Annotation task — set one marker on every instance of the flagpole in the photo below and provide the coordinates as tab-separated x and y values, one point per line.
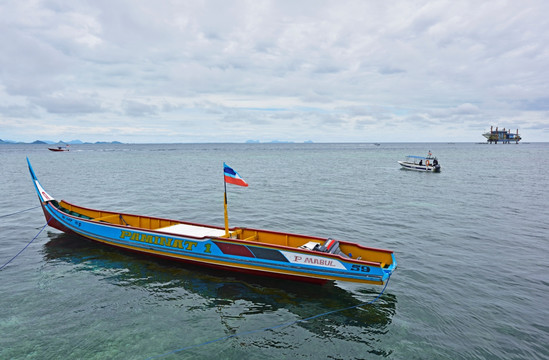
225	208
233	178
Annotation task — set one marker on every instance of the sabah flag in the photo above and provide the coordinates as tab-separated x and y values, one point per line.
232	177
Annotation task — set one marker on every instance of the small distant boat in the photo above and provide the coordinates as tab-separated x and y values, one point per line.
60	148
421	163
260	252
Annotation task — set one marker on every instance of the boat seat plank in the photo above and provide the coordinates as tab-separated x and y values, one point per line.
193	230
107	217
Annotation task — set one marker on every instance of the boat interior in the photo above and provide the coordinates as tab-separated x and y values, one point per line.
378	257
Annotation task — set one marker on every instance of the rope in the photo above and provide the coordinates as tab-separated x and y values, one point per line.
271	327
26	246
18	212
121	218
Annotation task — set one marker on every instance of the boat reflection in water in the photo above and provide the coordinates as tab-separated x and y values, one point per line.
241	302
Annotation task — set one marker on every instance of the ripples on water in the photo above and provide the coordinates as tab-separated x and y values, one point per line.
471	243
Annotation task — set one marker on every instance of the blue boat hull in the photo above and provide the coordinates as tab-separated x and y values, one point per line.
204	245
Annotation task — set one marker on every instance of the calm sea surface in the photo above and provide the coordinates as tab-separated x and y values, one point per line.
472	244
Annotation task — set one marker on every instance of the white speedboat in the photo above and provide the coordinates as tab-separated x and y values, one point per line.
421	163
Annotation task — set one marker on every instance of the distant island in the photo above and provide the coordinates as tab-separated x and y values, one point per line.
276	142
79	142
49	142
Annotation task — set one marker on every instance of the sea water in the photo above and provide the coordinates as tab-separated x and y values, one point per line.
471	244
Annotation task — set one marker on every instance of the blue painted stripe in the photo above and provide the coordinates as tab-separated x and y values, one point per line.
267	265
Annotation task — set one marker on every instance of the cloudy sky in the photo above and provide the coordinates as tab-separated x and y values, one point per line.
230	71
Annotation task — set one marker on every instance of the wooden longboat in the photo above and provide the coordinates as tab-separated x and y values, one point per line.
260	252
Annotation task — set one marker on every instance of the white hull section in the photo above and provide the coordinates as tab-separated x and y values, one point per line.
411	166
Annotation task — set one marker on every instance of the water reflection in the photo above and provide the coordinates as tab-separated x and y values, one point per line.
232	296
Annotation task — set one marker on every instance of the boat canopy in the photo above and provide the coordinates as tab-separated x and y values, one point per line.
419	157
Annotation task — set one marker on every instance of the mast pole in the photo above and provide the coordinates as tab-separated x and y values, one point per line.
225	209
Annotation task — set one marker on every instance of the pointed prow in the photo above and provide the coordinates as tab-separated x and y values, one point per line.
42	194
33	175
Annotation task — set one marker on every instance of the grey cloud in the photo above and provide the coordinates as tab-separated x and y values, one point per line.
387	70
70	104
537	104
19	111
137	108
329	66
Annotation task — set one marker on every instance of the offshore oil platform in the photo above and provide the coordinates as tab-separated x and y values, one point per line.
504	136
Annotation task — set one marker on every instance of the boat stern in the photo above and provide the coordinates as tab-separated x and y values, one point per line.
392	267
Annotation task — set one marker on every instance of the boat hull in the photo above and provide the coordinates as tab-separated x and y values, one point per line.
416	167
279	255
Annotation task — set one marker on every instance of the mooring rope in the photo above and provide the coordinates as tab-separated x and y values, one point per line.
271	327
26	246
18	212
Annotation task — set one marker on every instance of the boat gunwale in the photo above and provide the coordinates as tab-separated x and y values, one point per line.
230	262
232	240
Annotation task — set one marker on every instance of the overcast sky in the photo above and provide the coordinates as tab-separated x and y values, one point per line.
230	71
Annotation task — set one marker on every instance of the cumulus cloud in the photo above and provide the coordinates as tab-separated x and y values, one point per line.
74	103
138	109
319	70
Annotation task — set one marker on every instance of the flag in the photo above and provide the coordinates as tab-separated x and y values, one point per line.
232	177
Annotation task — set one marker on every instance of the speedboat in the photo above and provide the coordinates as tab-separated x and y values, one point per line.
60	148
421	163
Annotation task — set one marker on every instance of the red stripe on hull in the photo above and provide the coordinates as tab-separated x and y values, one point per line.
234	249
54	223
